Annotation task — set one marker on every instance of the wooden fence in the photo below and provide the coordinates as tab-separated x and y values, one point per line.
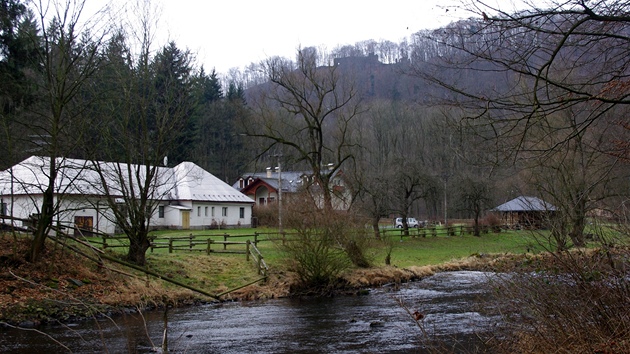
458	230
209	244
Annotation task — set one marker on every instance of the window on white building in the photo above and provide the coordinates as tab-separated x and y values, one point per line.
224	211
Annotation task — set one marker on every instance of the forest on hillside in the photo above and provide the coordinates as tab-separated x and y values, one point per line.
447	124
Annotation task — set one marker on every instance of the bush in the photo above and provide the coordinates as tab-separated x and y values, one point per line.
267	215
324	244
491	221
568	302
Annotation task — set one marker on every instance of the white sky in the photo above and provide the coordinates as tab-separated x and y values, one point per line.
230	33
227	34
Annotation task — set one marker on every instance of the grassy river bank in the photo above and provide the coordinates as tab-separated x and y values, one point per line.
66	286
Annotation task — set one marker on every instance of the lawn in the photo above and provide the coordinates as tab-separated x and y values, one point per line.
429	250
406	251
220	271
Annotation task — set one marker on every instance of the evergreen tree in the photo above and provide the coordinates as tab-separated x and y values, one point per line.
174	83
18	49
220	147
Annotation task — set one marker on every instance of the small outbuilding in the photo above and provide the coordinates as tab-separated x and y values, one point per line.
525	212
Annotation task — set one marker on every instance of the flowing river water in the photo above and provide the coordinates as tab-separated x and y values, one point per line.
374	323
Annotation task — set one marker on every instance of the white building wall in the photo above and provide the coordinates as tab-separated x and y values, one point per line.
225	214
201	213
24	207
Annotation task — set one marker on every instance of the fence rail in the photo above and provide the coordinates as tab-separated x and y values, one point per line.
257	258
458	230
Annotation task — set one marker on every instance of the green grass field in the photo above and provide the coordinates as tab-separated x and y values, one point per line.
406	251
218	271
435	250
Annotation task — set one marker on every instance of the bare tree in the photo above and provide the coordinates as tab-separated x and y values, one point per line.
579	178
67	55
371	177
473	196
139	127
310	113
514	68
540	84
388	52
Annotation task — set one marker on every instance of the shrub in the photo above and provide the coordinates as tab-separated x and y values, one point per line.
491	221
267	215
571	302
324	244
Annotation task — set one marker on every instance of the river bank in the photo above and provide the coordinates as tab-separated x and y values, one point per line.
64	286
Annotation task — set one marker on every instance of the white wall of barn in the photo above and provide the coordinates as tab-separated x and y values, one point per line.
201	214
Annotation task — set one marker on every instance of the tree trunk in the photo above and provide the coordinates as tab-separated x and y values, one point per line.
476	230
44	220
578	215
377	231
577	232
138	247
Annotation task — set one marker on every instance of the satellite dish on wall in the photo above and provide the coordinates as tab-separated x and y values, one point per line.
165	161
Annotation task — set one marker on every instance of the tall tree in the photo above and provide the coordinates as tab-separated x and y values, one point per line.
219	146
473	197
535	62
309	112
578	178
141	125
18	65
519	73
173	85
67	55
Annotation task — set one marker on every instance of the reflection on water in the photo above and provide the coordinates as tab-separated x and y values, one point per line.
376	323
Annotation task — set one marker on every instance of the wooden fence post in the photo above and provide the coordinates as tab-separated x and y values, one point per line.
104	242
208	250
256	238
170	245
225	237
190	242
247	250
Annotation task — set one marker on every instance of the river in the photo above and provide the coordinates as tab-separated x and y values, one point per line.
374	323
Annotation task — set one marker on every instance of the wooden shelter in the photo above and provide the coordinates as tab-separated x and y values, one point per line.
525	212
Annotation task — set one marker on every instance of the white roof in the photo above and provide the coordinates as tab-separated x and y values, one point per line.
525	204
185	181
195	183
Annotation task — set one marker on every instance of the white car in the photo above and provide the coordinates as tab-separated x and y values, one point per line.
411	222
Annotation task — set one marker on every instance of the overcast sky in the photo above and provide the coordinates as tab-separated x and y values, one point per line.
236	33
226	34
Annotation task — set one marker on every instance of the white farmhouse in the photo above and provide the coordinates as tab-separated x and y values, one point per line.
186	196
